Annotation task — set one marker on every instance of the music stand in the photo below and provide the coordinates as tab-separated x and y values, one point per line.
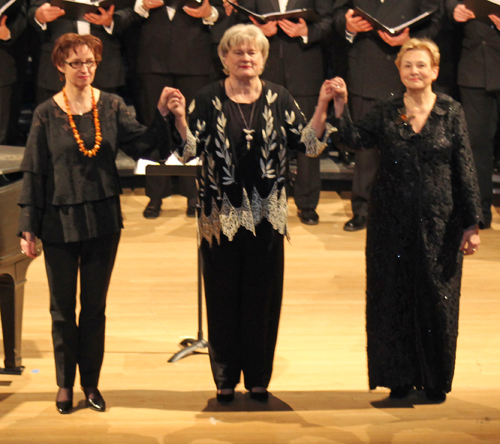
189	345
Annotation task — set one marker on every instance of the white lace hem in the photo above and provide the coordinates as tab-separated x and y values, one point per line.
229	219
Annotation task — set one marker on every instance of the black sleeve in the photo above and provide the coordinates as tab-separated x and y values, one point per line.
138	141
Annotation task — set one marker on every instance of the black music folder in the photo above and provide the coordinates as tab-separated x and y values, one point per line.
6	6
75	10
377	25
309	15
483	8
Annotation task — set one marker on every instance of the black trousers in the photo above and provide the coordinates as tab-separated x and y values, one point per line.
243	288
79	344
158	187
481	110
366	162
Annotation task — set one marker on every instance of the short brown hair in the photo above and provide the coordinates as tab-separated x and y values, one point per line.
67	42
422	45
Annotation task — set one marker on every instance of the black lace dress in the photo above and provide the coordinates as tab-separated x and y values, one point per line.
425	195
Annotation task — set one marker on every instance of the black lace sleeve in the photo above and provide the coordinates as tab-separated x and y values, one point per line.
464	172
366	135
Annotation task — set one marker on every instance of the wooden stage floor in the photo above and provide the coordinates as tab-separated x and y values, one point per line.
319	387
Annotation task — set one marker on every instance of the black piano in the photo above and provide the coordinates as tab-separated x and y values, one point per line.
13	264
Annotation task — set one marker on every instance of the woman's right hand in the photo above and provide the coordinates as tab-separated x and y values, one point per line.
339	94
151	4
28	244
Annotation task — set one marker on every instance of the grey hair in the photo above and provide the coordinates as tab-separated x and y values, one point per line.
238	35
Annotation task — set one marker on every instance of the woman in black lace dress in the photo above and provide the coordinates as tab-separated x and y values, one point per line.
70	200
423	218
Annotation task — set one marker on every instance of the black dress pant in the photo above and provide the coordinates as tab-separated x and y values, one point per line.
481	110
79	344
158	187
366	161
243	287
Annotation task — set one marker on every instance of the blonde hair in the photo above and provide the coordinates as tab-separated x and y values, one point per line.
238	35
422	45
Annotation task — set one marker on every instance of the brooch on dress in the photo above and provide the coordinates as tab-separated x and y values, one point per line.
404	118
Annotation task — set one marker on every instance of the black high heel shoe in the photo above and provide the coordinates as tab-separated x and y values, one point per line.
400	392
435	395
94	399
259	396
225	398
64	407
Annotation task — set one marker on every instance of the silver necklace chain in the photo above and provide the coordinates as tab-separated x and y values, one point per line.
248	132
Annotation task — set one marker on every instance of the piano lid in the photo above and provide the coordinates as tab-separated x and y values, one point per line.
10	158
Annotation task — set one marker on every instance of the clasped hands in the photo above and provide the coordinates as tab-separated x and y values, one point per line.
172	100
203	11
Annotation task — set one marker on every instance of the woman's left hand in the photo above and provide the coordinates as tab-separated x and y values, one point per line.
105	18
396	40
470	241
203	11
172	100
294	29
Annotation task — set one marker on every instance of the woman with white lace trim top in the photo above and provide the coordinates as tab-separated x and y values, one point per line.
241	128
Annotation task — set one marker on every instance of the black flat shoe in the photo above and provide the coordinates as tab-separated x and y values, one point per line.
260	396
434	395
64	407
94	400
225	398
355	224
400	392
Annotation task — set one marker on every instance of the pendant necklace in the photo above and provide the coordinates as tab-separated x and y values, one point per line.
247	129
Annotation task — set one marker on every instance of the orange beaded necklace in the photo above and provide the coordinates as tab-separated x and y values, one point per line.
79	141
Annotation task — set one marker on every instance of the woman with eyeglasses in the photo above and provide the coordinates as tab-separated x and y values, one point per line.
70	200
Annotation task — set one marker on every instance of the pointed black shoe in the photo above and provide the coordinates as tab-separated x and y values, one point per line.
64	407
400	392
225	398
435	395
260	396
94	400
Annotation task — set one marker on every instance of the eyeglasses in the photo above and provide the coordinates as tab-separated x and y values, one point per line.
78	64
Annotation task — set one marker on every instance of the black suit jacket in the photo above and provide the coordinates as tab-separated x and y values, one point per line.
180	46
372	72
109	74
479	65
16	22
303	62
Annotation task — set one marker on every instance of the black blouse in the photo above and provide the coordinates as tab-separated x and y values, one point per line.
68	197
